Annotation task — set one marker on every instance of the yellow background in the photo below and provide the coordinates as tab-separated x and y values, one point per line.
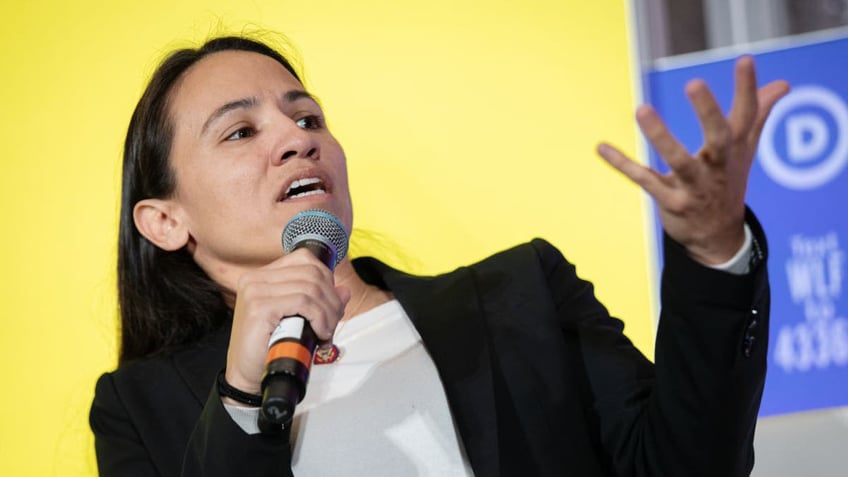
469	127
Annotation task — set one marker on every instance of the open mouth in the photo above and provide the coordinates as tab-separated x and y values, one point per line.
304	188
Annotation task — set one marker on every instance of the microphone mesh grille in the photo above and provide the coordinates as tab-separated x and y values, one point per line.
316	224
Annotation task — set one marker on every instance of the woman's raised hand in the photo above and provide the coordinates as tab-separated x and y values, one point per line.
701	200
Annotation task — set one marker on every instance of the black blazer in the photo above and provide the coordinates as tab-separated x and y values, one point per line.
539	378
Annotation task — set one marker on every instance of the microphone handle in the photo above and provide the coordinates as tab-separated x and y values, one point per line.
290	351
287	368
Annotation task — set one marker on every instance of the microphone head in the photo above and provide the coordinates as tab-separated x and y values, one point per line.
320	225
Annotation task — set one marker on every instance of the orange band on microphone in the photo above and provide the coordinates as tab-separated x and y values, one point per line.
290	349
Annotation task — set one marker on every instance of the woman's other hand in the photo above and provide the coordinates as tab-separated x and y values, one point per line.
701	200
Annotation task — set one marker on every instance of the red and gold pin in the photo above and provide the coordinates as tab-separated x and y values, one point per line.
327	355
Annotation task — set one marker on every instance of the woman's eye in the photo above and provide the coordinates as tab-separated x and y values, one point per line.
309	122
242	133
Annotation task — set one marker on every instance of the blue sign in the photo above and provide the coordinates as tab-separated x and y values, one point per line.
799	191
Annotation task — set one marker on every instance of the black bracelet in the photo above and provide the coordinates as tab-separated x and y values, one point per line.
224	389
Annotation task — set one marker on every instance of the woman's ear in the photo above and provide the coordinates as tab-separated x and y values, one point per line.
159	221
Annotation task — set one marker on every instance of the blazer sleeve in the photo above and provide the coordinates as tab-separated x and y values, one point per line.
143	433
218	446
693	411
119	449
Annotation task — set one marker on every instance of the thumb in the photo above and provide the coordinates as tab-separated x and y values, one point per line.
344	294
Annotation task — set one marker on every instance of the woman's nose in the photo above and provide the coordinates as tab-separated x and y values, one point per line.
295	142
311	153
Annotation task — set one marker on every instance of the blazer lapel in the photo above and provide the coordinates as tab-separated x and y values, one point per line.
446	312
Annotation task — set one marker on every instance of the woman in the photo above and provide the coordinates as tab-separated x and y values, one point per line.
507	367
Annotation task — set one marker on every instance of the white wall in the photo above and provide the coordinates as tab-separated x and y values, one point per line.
810	444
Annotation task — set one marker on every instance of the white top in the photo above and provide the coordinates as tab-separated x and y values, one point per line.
379	410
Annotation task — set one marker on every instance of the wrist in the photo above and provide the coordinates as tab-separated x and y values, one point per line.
232	402
238	381
743	261
235	396
718	250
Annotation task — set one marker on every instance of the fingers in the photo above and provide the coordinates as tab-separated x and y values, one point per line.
767	96
714	125
751	107
296	284
743	112
647	178
667	146
269	302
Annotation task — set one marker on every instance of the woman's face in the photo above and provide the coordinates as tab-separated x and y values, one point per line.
251	149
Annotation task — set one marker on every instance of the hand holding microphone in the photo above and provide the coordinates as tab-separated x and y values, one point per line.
293	342
292	287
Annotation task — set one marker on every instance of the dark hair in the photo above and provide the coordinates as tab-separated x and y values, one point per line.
165	298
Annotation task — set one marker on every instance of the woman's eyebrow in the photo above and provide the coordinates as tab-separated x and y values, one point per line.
297	94
244	103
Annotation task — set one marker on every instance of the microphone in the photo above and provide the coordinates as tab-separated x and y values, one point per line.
292	344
